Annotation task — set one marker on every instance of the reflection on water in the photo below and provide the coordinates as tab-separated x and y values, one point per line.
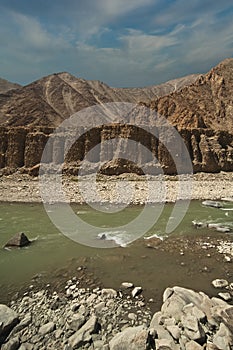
51	250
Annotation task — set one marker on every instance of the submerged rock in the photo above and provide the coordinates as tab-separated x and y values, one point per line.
19	240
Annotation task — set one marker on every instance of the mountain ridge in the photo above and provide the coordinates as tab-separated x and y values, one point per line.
201	111
53	98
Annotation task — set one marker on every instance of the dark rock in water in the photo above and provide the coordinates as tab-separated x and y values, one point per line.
19	240
102	236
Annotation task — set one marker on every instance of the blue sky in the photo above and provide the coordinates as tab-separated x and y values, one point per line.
121	42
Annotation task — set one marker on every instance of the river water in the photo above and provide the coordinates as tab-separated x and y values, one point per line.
154	269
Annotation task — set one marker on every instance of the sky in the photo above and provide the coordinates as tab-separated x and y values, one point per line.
123	43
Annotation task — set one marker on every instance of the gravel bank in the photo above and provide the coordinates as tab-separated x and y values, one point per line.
23	188
106	319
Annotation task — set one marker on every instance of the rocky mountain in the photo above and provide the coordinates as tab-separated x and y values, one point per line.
199	107
205	111
50	100
6	85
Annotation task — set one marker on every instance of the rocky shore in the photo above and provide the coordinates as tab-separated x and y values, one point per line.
106	319
24	188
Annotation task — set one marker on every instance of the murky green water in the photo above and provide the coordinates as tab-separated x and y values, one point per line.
51	250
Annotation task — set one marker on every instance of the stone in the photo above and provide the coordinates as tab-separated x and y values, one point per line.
67	347
76	321
227	317
136	291
211	346
163	333
47	328
109	292
58	333
127	285
19	240
8	320
220	283
83	335
155	320
167	293
91	298
12	344
22	324
174	331
223	339
165	344
26	346
99	307
193	329
131	338
173	306
192	345
132	316
225	296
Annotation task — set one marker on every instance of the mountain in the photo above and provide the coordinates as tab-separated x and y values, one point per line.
50	100
207	103
199	107
6	85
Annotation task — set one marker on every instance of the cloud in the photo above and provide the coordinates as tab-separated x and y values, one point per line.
111	40
183	11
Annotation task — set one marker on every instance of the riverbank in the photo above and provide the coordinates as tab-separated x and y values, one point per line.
24	188
108	319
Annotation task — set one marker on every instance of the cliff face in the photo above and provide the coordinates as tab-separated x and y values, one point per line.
202	113
22	148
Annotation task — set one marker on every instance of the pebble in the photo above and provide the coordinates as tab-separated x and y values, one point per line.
225	296
136	291
127	285
220	283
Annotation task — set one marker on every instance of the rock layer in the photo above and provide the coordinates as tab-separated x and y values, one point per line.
22	148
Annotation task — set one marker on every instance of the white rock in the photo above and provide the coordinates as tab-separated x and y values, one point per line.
127	285
225	296
136	291
219	283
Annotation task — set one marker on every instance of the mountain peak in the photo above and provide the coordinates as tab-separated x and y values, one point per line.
6	85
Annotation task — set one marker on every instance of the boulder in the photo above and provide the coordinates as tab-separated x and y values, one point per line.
192	345
132	338
193	329
19	240
165	344
12	344
8	320
83	335
223	339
